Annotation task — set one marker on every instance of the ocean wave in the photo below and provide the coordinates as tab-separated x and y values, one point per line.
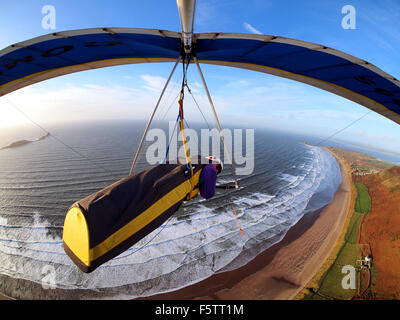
202	239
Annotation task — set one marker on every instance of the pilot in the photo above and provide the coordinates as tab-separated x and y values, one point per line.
208	177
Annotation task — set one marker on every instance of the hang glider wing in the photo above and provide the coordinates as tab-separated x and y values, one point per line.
97	228
61	53
310	63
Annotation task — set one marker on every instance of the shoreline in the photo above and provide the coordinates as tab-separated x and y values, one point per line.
284	269
281	271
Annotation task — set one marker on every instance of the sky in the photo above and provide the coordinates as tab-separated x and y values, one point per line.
242	97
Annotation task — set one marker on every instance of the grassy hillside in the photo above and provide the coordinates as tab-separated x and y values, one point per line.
373	229
381	230
361	163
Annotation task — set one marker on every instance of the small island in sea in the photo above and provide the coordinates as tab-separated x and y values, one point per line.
20	143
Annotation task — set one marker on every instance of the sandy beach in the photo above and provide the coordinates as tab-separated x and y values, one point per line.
3	297
284	269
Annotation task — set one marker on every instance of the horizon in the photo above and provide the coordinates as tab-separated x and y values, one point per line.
21	133
275	103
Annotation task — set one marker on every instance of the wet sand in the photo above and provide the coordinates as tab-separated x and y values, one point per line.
284	269
3	297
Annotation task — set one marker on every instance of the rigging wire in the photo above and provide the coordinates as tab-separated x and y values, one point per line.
198	107
55	137
170	140
144	245
195	101
344	128
159	121
151	118
181	94
180	117
218	123
333	134
170	104
227	187
169	108
234	211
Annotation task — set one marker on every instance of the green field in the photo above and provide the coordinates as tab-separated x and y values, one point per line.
331	283
363	201
381	163
354	225
330	286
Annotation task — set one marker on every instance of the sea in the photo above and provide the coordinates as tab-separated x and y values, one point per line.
39	181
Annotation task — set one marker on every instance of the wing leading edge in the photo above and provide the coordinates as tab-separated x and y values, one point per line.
62	53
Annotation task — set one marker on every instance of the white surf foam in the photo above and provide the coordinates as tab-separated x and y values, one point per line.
189	248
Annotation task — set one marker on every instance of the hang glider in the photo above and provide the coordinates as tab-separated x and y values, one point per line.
108	222
61	53
103	225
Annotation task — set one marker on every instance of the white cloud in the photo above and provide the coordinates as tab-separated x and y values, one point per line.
81	103
153	83
205	12
250	28
97	102
238	83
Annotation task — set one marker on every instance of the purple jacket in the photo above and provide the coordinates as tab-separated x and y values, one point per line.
208	180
